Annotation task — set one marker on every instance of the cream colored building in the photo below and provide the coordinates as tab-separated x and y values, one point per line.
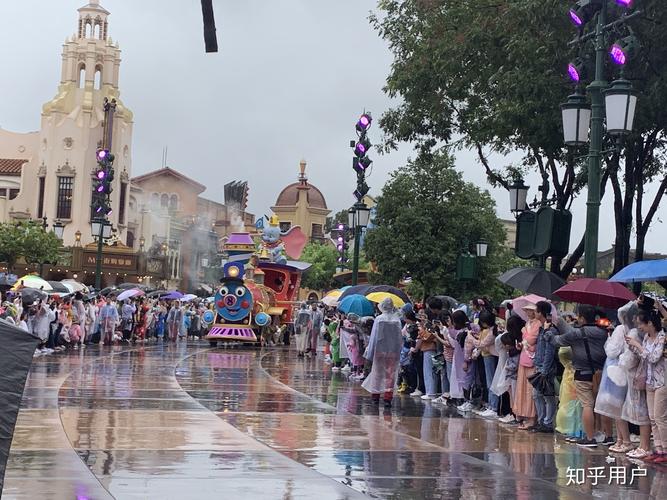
58	161
302	204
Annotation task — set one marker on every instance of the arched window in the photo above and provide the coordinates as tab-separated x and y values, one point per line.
97	32
173	202
82	76
130	239
89	28
155	200
98	77
164	200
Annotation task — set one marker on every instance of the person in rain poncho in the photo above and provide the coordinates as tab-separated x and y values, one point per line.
384	350
302	327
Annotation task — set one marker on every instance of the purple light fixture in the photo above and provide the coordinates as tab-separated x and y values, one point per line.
624	3
100	188
574	17
341	227
101	174
617	55
360	149
364	122
573	72
102	154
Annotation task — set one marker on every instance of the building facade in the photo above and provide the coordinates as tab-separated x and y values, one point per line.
302	204
57	162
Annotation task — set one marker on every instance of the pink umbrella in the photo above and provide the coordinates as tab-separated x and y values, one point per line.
134	292
520	302
596	292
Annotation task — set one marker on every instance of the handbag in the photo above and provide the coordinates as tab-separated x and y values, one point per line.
544	385
438	362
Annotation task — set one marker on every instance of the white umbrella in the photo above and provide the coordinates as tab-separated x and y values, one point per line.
75	286
188	297
132	292
330	301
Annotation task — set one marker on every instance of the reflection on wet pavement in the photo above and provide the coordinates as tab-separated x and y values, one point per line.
188	421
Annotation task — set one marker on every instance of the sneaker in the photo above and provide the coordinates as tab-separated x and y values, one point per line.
546	429
489	413
402	387
571	439
637	453
467	406
607	441
346	369
427	397
37	353
335	369
439	400
445	395
49	350
417	392
587	443
479	411
507	419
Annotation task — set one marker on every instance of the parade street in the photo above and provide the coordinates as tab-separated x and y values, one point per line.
187	421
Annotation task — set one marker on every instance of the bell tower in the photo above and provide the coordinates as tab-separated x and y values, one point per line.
73	127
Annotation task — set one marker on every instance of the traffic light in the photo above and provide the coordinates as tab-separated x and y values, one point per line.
342	246
103	183
361	162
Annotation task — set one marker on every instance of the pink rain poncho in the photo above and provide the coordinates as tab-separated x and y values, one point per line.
384	350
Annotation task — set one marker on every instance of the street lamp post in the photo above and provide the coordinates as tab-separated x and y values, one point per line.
576	111
362	216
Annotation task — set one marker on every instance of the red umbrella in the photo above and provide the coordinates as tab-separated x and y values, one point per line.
596	292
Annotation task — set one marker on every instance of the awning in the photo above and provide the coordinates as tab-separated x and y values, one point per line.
206	288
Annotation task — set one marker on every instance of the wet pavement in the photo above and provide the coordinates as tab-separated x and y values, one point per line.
189	421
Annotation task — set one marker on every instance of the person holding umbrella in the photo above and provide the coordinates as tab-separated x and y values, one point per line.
108	317
384	350
302	327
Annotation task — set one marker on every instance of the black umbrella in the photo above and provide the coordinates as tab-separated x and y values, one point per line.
32	295
390	289
58	287
157	293
447	301
355	290
532	280
106	291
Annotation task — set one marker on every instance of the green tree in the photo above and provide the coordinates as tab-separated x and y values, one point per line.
29	241
323	258
491	75
426	216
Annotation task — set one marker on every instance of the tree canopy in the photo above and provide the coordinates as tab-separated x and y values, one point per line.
323	258
27	240
490	76
427	215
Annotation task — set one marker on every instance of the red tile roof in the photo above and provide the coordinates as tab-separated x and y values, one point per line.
9	166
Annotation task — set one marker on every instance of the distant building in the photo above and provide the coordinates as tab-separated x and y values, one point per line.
606	262
510	232
170	217
302	204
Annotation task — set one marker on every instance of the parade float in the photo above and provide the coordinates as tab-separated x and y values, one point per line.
260	285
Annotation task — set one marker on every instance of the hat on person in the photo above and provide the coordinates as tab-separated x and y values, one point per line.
531	307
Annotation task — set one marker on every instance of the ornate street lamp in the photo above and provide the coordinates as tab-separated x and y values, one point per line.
482	248
620	105
59	229
142	243
351	219
518	193
363	216
576	114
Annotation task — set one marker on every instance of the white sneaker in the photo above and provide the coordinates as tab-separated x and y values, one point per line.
49	350
44	350
445	395
416	393
467	406
479	411
599	436
346	369
426	397
507	419
439	400
37	353
489	413
335	369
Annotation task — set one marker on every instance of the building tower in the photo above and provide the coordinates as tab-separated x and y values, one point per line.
72	130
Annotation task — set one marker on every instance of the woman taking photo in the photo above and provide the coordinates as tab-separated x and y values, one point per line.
524	406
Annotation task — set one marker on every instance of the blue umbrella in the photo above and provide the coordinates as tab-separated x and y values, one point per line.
357	304
175	295
646	270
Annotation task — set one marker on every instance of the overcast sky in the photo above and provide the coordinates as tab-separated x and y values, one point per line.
289	82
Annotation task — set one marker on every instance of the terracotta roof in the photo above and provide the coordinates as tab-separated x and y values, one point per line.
9	166
169	171
289	196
